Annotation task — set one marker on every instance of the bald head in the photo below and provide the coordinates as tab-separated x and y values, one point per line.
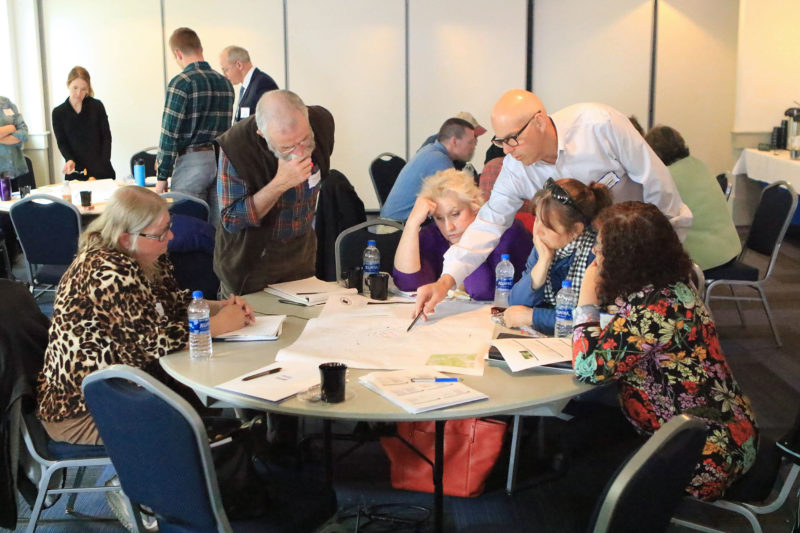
282	119
520	118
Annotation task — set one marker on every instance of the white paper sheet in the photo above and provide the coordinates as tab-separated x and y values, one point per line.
455	338
525	353
308	291
265	328
398	388
294	377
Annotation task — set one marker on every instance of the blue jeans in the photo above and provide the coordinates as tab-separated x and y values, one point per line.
195	174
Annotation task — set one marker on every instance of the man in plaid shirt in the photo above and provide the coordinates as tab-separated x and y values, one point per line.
198	108
270	168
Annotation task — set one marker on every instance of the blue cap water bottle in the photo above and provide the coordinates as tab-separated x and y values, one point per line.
138	172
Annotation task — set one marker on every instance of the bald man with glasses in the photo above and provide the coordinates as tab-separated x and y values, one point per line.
588	142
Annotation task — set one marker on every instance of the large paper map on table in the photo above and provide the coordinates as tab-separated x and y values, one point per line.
361	335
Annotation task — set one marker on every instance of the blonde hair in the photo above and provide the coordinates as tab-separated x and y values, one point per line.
79	72
457	182
129	210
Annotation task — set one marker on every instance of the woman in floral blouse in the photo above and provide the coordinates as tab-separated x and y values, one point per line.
662	344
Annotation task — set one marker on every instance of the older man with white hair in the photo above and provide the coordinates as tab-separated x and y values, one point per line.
270	166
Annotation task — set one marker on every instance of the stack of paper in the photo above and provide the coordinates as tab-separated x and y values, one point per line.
309	291
416	397
521	353
265	328
288	380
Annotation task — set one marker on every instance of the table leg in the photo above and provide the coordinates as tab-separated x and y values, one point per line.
438	474
513	457
327	450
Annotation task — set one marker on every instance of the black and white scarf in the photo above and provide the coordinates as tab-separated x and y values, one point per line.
580	247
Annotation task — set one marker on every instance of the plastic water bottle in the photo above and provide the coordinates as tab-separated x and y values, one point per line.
372	262
504	280
138	172
566	301
66	191
199	327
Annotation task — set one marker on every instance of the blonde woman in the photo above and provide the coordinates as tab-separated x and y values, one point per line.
118	302
82	132
453	200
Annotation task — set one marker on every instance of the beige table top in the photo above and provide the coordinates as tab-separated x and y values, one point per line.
536	391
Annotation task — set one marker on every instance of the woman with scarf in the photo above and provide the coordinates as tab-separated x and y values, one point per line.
562	249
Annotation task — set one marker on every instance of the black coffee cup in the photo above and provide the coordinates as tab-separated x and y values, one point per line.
354	278
378	285
86	198
333	377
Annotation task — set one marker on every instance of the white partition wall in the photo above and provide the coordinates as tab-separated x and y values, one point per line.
119	43
462	57
696	75
348	56
593	52
256	25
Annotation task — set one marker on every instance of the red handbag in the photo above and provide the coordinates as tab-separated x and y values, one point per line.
471	447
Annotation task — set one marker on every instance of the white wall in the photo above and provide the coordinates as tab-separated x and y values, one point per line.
119	43
593	52
256	25
462	59
349	57
696	73
768	73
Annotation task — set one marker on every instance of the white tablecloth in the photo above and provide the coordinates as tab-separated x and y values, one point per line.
769	166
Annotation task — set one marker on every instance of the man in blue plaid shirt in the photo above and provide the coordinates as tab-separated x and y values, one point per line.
198	108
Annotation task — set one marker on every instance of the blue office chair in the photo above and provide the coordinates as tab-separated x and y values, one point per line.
160	450
760	491
383	171
191	252
350	244
770	222
646	490
48	229
185	204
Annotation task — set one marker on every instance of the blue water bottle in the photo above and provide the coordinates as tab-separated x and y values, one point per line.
138	172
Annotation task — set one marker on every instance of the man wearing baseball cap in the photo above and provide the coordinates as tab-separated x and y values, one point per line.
456	141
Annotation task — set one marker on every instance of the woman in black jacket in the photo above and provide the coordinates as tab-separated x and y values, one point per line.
82	132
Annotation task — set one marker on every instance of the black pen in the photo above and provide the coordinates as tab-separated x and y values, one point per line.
264	373
414	321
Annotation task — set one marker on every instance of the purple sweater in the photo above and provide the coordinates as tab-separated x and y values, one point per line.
516	242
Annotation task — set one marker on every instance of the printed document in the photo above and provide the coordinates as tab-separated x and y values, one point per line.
416	397
521	353
264	328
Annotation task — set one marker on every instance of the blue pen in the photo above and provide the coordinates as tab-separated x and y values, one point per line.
435	380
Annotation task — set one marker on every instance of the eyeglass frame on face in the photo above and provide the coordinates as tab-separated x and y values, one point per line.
160	238
512	140
306	140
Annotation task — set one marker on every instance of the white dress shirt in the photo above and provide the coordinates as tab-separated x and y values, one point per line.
595	143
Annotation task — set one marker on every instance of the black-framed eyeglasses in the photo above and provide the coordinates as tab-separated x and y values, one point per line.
511	140
561	195
162	236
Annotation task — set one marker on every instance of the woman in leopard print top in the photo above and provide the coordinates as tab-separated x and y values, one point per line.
118	302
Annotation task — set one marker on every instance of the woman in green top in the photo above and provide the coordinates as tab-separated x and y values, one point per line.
712	240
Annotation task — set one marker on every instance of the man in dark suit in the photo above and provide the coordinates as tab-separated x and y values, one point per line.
236	66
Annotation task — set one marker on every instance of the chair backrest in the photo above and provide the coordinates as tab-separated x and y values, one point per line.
773	215
648	487
25	179
350	243
725	184
384	170
48	229
185	204
149	159
159	448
